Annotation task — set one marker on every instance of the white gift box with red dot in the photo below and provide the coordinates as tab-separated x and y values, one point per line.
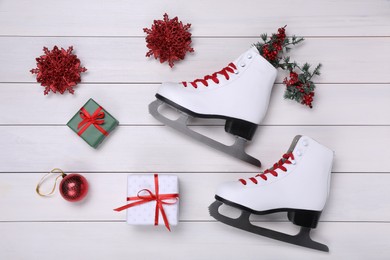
144	214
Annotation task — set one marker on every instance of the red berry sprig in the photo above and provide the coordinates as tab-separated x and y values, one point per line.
273	49
299	86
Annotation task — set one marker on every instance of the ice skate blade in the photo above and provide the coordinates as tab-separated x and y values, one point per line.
236	150
242	222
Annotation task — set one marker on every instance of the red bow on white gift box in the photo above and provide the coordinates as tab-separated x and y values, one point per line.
159	198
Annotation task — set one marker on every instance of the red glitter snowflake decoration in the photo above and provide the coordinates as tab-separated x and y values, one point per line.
58	70
168	40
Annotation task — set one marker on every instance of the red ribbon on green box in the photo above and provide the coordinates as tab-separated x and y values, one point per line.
92	123
95	119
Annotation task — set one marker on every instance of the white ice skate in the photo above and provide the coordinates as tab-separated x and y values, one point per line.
239	93
298	184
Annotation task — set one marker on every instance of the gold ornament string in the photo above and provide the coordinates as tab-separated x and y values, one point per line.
55	170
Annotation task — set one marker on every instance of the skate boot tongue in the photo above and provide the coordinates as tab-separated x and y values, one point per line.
294	143
254	48
290	149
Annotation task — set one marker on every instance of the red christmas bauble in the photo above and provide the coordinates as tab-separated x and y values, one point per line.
74	187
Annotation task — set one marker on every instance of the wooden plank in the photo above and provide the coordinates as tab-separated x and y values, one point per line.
216	18
186	241
122	60
197	190
25	104
162	149
351	39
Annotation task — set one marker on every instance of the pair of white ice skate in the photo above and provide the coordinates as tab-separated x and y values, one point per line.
298	184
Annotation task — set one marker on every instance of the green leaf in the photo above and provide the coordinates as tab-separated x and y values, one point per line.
306	67
302	77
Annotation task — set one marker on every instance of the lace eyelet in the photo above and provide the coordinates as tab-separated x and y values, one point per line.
249	56
243	65
236	72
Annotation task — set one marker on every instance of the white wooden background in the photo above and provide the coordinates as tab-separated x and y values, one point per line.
351	115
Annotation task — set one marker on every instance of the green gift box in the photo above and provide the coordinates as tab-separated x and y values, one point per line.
92	123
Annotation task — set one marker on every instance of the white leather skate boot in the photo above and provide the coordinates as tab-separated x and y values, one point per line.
239	93
298	184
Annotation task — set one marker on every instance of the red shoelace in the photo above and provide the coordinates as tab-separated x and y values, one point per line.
225	72
279	165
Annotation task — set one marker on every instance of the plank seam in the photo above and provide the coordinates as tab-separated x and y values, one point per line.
187	221
203	125
159	83
193	36
163	172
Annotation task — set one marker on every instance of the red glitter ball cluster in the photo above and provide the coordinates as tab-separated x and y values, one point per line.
308	99
58	70
303	91
270	51
168	40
